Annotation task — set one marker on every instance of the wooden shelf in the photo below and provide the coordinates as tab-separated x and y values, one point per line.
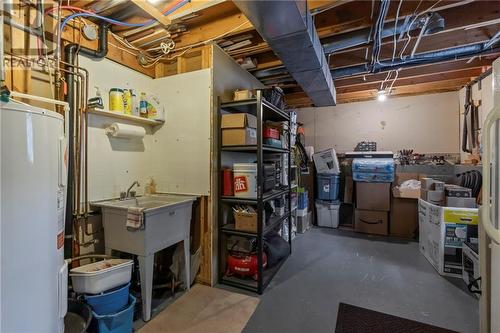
122	116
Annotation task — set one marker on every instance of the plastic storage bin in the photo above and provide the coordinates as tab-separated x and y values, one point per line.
328	186
120	322
101	276
109	302
327	214
373	177
379	165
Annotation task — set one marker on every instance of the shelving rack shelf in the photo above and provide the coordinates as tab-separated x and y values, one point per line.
264	111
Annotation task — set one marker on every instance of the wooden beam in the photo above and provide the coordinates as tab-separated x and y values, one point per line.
153	12
300	99
413	80
414	72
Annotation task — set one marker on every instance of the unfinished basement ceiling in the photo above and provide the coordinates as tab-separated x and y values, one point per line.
470	24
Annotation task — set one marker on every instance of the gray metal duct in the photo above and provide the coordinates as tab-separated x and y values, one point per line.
456	53
288	28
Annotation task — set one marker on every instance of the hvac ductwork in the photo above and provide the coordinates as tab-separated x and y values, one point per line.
288	28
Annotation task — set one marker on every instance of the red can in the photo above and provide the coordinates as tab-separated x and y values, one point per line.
227	182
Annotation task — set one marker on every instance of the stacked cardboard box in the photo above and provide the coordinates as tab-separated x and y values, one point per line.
404	207
373	203
239	129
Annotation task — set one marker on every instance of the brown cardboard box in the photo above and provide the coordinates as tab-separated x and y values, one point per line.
401	192
404	217
373	196
245	221
238	120
239	137
239	129
401	177
371	222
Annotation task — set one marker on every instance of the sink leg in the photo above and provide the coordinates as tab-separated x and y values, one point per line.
187	264
108	251
146	274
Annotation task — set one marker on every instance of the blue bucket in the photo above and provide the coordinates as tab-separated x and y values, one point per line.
109	302
120	322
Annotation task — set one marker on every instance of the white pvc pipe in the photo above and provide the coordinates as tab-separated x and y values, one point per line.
40	99
2	65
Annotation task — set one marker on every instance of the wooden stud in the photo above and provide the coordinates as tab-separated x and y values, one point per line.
153	12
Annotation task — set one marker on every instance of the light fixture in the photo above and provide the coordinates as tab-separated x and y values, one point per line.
153	2
381	96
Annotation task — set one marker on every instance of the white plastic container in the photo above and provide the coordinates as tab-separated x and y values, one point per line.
327	214
245	180
100	276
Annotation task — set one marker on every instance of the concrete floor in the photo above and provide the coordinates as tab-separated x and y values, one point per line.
331	266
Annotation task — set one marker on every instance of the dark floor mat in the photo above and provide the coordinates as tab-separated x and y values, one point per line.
353	319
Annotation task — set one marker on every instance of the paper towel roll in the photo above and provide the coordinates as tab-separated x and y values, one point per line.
119	130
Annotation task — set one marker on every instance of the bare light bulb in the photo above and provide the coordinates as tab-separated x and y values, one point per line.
381	96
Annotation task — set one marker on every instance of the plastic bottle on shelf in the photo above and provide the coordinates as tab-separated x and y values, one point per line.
143	106
127	101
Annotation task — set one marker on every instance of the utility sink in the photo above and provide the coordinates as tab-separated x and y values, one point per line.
167	221
148	202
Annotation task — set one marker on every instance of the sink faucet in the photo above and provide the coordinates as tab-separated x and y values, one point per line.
127	194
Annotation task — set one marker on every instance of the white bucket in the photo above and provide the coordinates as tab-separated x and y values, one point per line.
245	180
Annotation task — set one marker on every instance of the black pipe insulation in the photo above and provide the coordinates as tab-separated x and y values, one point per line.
70	53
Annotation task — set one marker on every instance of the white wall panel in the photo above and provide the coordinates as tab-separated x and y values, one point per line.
425	123
114	163
181	154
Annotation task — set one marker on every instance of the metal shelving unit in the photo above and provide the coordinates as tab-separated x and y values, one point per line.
264	111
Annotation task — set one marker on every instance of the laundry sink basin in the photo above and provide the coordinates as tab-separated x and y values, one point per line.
148	202
166	221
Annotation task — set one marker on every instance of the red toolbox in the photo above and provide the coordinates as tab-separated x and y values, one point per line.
271	133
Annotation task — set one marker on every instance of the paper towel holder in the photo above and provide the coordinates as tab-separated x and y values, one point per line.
124	131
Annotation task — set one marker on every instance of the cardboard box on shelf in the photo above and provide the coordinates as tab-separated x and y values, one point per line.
371	222
245	221
373	196
239	129
326	161
461	202
457	191
238	120
404	217
442	231
427	183
438	185
434	197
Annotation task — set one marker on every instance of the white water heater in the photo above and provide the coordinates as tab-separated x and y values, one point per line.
33	190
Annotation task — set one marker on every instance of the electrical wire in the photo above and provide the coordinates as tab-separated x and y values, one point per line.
412	23
394	44
393	81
